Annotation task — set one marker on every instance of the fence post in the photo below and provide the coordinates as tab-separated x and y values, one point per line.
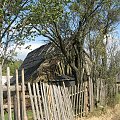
85	99
17	96
23	97
91	97
9	94
32	102
1	96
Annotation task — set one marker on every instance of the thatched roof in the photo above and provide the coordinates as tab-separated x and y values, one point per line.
33	60
39	62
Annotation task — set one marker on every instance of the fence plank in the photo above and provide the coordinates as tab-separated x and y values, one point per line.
82	93
1	96
36	102
91	94
74	97
43	100
79	99
68	103
23	97
15	107
62	104
76	112
85	99
57	103
17	97
49	101
32	103
39	100
53	103
9	94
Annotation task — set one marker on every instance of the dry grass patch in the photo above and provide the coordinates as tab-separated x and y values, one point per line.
108	114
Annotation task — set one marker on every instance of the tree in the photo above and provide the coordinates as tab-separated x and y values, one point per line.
13	65
12	33
72	25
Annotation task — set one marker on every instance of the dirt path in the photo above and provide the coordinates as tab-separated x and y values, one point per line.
111	114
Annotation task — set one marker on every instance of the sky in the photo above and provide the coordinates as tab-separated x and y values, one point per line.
39	41
22	53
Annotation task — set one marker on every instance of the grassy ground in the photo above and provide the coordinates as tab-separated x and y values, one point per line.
111	114
29	115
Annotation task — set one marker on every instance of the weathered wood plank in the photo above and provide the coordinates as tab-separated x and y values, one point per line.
91	94
76	112
39	100
9	94
36	102
82	94
68	103
1	96
62	104
32	103
17	97
49	101
85	99
23	96
79	99
53	104
43	101
57	103
15	107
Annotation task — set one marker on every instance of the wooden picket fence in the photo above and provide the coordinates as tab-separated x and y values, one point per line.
15	95
48	101
81	96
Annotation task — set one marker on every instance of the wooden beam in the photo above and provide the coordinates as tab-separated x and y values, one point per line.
1	96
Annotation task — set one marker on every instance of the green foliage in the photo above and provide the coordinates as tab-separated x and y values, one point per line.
13	66
12	22
83	23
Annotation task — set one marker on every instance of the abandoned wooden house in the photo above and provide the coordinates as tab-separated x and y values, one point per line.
47	64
